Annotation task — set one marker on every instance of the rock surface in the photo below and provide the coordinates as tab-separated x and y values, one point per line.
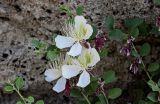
21	20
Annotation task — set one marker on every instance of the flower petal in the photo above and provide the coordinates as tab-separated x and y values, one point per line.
60	85
75	50
84	79
94	57
69	71
79	20
63	41
52	74
89	31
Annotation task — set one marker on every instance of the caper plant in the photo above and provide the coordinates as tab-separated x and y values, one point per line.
72	59
16	86
133	29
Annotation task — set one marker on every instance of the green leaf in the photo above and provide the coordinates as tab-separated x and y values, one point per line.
138	94
102	99
153	85
82	102
109	76
144	28
19	82
145	102
153	67
35	43
145	49
117	35
134	32
75	92
158	83
142	102
98	102
91	88
155	73
94	79
95	31
52	48
104	52
133	22
30	99
70	20
114	93
66	10
53	37
19	102
39	44
40	102
156	2
8	88
134	53
52	55
79	10
109	23
43	45
153	96
155	31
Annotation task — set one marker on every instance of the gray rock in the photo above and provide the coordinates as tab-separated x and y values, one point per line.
21	20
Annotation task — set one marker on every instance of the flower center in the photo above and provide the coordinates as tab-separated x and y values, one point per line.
81	32
85	60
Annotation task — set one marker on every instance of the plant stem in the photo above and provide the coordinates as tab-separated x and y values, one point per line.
23	99
144	67
105	97
21	96
85	97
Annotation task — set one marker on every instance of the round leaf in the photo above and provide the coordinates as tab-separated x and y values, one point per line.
102	99
79	10
144	28
40	102
145	49
153	67
153	85
109	22
103	52
145	102
35	43
134	53
95	31
19	82
114	93
133	22
158	83
109	76
134	32
75	92
117	35
39	44
153	96
19	102
8	88
30	99
156	2
98	102
91	88
51	55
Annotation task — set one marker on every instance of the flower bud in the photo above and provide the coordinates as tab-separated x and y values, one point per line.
158	23
134	66
99	42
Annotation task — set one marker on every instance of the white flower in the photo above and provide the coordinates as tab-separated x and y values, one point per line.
76	33
85	61
55	72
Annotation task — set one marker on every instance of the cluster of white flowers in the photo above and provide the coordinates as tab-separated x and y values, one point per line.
78	60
